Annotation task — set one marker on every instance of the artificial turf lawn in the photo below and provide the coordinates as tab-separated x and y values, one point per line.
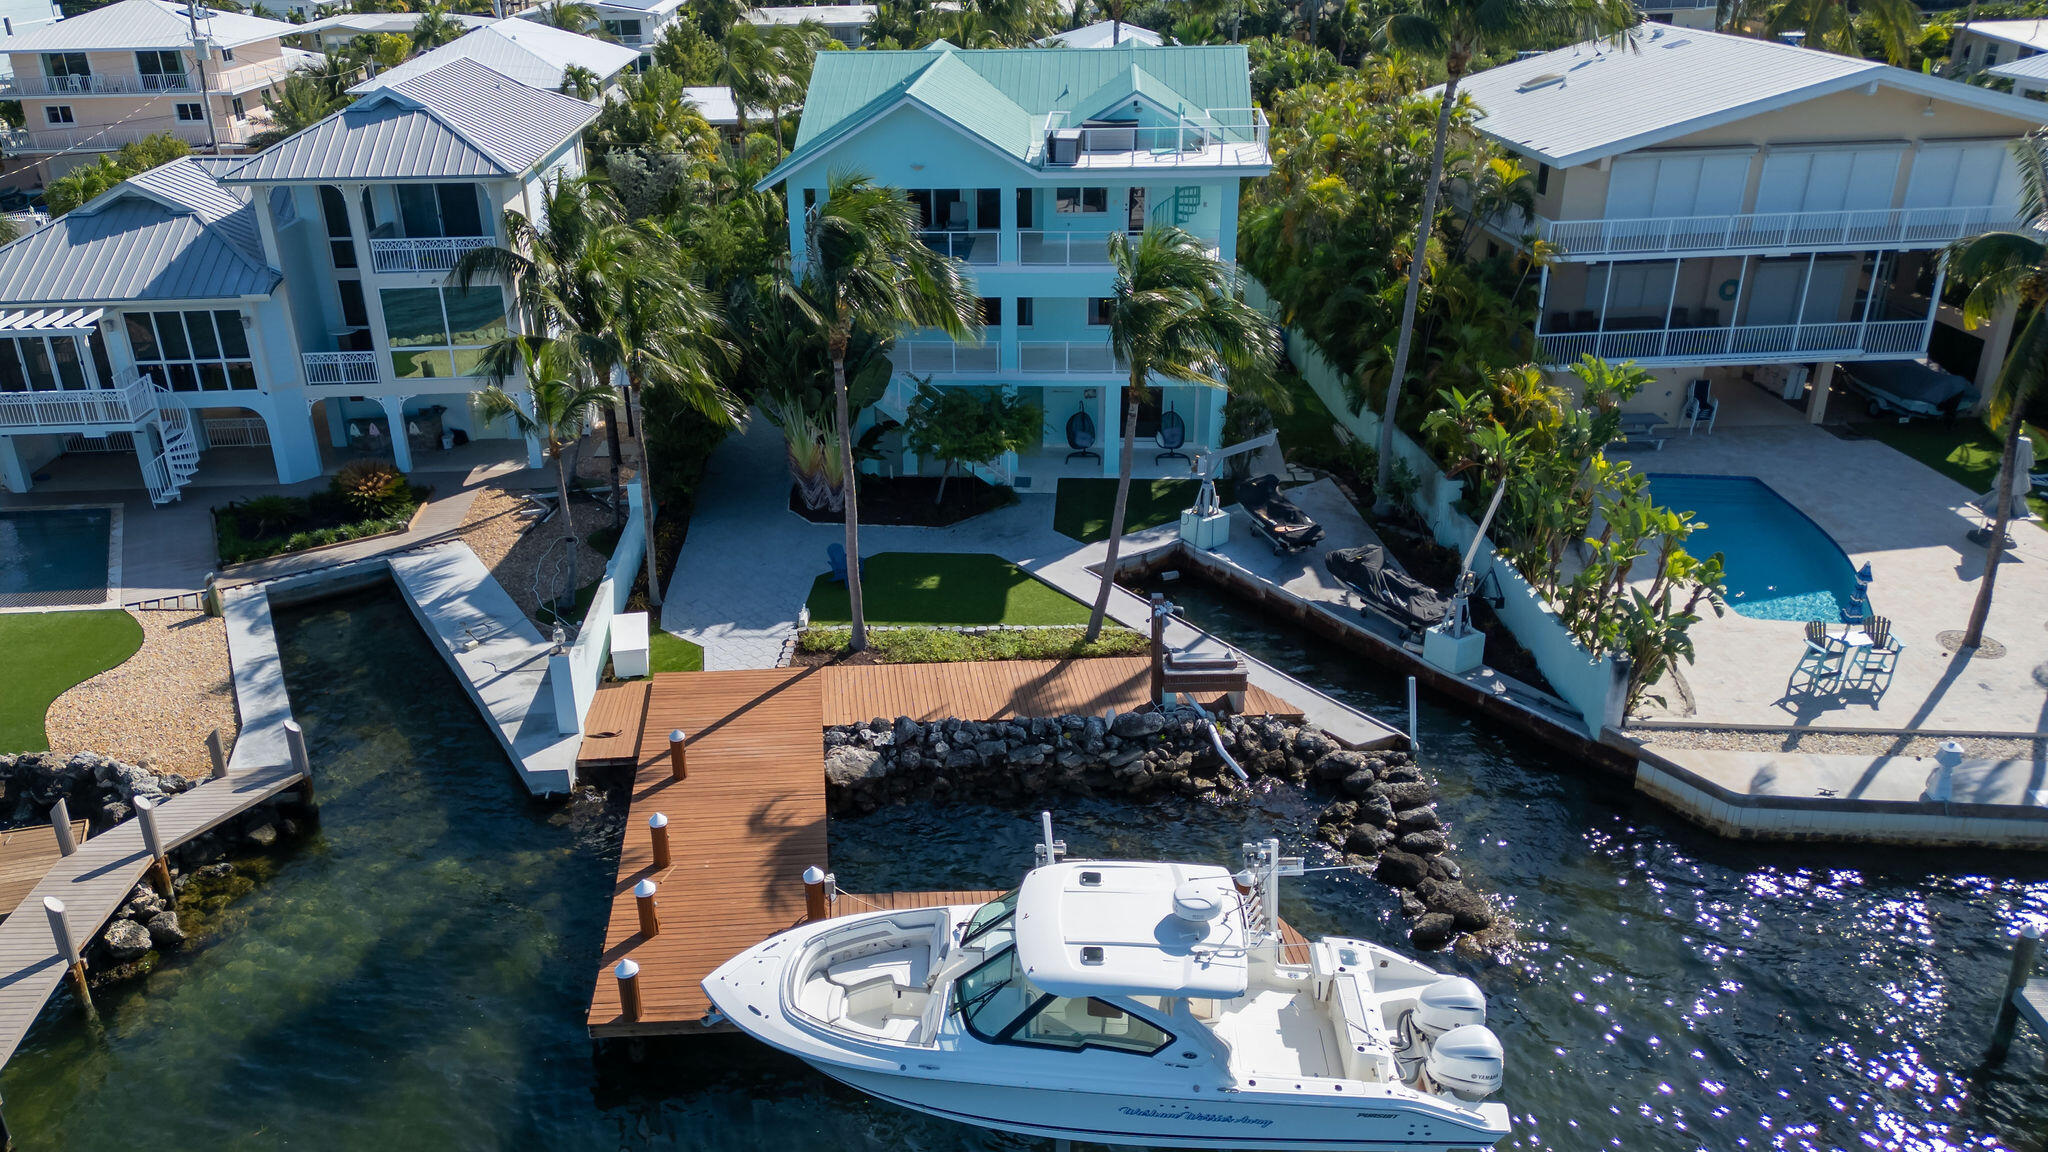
668	652
1081	508
950	588
1964	451
54	651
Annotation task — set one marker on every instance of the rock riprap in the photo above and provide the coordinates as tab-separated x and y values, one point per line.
1381	817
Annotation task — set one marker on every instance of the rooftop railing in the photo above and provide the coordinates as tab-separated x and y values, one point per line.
1213	136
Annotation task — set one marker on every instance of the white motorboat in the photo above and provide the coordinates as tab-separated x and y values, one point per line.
1122	1002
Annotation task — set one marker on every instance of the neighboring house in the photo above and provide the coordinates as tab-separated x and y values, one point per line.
1103	34
331	33
716	104
1773	206
2029	75
536	55
1023	162
1985	44
1681	13
848	23
633	23
287	297
20	17
116	74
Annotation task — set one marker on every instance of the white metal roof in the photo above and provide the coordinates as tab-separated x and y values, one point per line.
143	24
1597	99
2031	68
536	55
1098	35
830	15
715	104
1107	928
2032	33
362	22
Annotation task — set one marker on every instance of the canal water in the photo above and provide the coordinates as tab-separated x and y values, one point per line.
415	975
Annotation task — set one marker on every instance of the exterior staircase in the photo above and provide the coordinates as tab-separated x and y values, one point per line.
172	454
1179	208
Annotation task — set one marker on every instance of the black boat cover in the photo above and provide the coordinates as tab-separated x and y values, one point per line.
1389	592
1276	514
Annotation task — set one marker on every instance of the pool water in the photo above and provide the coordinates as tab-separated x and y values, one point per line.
415	975
1780	565
53	557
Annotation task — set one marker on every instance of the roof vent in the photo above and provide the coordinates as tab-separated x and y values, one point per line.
1678	44
1543	81
1196	904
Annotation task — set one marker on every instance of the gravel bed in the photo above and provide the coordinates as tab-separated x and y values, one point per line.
1828	743
510	545
156	709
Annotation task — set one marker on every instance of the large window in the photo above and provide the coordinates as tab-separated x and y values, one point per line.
440	210
437	332
192	351
999	1006
66	65
1090	200
161	71
49	363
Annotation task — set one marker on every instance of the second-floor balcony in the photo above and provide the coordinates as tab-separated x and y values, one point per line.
1772	231
100	84
1034	248
1748	343
422	253
332	368
112	408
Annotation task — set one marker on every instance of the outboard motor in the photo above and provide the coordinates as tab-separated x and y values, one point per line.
1466	1062
1449	1005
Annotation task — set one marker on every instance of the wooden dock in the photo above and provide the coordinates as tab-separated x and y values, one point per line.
749	817
25	855
95	880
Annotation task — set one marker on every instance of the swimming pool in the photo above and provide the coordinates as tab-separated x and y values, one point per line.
54	557
1781	566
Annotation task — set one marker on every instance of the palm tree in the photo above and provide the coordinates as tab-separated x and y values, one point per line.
301	102
1176	314
561	389
753	61
867	272
572	16
1837	25
1461	31
434	28
2009	269
580	82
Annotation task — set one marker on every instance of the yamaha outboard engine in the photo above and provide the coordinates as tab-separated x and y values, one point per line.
1448	1004
1444	1042
1466	1062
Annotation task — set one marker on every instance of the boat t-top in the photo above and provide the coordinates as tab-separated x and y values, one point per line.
1125	1002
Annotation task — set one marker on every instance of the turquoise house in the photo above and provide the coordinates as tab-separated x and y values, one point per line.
1023	162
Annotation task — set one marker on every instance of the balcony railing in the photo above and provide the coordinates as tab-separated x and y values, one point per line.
424	253
120	407
1868	228
1047	356
1057	248
968	247
922	356
1213	136
101	84
107	137
340	367
1761	342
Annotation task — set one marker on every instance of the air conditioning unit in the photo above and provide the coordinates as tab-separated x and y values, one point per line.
1063	146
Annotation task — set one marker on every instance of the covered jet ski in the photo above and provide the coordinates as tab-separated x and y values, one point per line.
1276	518
1388	592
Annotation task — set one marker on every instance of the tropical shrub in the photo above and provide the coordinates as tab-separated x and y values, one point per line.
969	426
370	487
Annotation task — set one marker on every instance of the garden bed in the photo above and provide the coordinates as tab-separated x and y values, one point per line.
910	501
820	646
360	503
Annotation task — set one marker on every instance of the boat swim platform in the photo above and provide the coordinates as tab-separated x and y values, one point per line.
749	816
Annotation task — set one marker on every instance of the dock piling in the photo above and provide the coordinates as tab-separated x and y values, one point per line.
60	822
153	840
1413	743
677	770
643	896
628	973
816	900
2025	951
220	758
657	830
302	761
60	927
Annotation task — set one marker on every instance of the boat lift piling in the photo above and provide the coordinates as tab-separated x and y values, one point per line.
153	842
678	769
67	946
817	894
657	833
218	755
2025	996
60	821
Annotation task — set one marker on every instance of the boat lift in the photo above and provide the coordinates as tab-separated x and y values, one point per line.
1206	525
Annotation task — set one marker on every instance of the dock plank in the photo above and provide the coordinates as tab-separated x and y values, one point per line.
25	855
611	729
1005	689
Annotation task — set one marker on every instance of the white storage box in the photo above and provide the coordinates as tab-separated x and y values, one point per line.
629	645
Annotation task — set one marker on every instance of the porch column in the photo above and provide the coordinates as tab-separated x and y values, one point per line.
394	415
1006	224
13	476
337	422
1112	427
294	450
1817	400
1933	305
1006	334
373	302
1997	342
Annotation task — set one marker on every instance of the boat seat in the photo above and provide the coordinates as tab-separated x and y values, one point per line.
905	967
822	1000
1364	1053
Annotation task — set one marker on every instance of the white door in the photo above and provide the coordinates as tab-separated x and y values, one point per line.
1774	292
1694	184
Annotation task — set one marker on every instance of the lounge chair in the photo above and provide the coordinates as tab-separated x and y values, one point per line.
1388	593
835	555
1823	655
1081	436
1700	404
1173	432
1276	518
1882	657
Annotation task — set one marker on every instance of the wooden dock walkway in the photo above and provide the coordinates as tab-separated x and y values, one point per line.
96	880
25	855
1004	689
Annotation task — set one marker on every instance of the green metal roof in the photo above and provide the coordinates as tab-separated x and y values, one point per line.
1003	95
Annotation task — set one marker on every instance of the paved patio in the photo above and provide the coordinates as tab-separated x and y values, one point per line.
1908	522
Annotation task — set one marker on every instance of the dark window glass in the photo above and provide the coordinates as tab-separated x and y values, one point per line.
1542	179
1099	308
98	345
1024	208
241	377
183	378
416	209
170	330
205	345
992	311
70	373
234	339
988	208
461	215
141	336
212	378
1023	311
11	378
40	378
335	210
353	311
343	252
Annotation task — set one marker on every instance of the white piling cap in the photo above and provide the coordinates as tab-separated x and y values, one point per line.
51	903
675	736
626	969
1951	753
144	804
658	820
644	889
814	875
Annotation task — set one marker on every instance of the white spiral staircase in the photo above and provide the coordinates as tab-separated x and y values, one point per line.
168	450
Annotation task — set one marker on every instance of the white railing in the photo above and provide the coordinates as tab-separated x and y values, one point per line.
424	253
100	84
979	247
1877	227
122	407
1047	356
923	356
107	137
1213	136
1057	248
340	367
235	431
1750	342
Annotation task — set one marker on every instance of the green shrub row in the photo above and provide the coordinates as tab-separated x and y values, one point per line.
947	646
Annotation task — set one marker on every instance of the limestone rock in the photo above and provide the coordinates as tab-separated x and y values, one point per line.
261	835
1367	840
1432	932
164	931
1407	795
1357	784
850	765
1138	725
126	940
1401	869
1467	908
1418	819
1423	843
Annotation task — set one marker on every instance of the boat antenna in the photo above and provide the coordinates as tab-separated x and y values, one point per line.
1050	851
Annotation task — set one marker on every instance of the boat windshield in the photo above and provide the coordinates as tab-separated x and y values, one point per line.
1000	1006
991	917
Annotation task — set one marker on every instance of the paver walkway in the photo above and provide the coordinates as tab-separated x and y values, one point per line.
1907	521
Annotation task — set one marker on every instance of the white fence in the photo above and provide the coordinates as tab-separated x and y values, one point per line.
574	674
423	253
